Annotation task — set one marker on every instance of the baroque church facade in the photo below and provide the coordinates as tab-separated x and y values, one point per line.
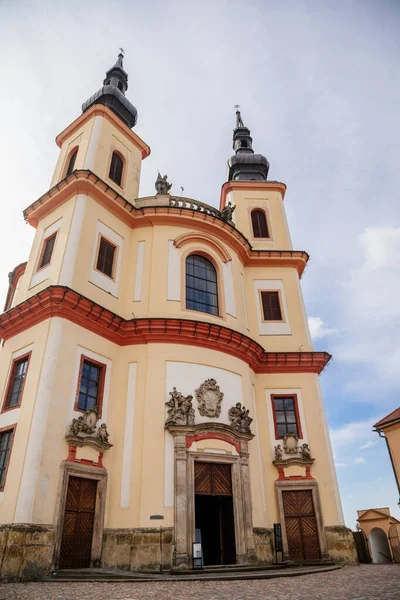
156	363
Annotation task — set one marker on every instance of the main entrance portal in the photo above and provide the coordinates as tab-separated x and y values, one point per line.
214	512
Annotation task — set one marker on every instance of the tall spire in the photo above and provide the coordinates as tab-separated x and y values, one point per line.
112	94
245	165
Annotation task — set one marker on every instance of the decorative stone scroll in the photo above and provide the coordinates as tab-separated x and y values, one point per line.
180	410
84	431
240	418
209	397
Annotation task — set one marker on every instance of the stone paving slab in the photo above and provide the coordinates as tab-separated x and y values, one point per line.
366	582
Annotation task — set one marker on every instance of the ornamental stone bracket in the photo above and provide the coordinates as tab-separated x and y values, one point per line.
84	431
292	453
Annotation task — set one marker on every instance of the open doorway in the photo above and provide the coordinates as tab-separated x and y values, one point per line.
379	546
214	513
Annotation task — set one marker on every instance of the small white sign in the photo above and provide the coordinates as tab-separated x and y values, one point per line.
197	550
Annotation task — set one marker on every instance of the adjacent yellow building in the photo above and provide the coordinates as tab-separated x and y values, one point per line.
157	362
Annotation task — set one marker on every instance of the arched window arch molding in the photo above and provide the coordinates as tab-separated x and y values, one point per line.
114	150
71	156
205	240
265	211
215	260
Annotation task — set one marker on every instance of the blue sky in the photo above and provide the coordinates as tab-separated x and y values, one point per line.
318	86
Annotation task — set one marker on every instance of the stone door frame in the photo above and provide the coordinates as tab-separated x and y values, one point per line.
184	501
71	469
294	486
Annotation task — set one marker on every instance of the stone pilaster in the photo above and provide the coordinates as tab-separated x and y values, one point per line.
181	558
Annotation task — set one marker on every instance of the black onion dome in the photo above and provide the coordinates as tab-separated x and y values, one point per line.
112	94
244	165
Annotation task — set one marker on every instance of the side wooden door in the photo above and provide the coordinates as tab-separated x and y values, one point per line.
301	525
77	535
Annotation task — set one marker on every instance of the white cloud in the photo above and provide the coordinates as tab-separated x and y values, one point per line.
352	433
359	460
339	465
318	329
368	444
371	315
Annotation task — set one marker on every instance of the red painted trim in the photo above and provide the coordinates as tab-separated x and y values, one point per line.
11	380
308	472
296	411
59	301
71	454
212	436
306	477
14	278
102	378
12	428
83	461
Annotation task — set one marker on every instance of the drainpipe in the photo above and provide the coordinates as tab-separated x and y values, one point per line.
379	432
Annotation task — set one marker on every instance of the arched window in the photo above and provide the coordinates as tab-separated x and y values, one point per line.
116	168
201	285
71	164
243	144
259	223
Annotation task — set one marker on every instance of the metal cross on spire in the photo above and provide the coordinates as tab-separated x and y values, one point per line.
239	121
122	51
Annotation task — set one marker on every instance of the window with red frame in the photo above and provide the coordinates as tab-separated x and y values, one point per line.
286	416
48	248
91	384
6	438
16	383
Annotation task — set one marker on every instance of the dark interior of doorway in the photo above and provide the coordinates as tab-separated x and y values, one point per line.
214	517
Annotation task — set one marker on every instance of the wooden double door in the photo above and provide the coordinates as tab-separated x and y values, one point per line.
301	525
77	533
214	512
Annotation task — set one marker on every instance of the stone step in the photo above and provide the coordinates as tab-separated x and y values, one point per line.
230	568
291	571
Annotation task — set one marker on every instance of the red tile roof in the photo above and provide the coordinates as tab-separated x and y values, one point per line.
393	416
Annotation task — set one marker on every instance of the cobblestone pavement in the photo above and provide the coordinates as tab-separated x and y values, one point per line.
367	582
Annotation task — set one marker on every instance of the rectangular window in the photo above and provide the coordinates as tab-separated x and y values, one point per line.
271	306
105	258
286	415
6	438
47	251
16	382
91	385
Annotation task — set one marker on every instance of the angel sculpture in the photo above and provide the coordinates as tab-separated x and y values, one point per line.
162	186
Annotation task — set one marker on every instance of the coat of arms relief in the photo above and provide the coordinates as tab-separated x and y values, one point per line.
209	398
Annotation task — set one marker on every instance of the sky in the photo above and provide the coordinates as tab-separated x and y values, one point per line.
318	86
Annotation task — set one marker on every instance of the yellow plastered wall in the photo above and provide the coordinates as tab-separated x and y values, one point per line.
27	288
33	340
271	202
147	457
97	138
